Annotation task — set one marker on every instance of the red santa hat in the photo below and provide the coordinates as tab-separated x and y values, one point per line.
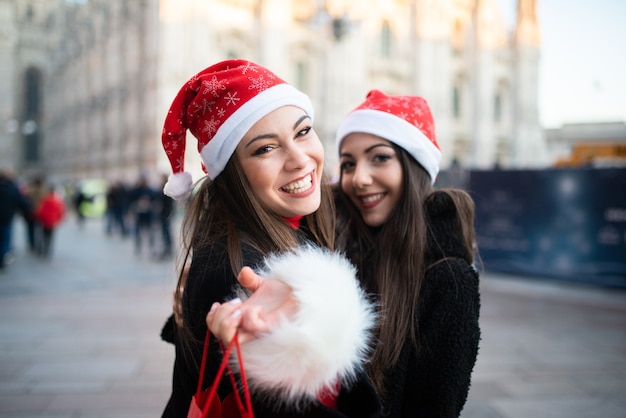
218	106
404	120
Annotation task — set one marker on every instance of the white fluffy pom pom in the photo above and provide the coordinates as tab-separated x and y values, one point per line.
178	186
326	341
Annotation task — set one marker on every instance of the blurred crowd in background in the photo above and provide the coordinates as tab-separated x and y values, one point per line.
137	211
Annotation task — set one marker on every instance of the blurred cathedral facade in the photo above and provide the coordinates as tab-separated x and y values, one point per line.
85	84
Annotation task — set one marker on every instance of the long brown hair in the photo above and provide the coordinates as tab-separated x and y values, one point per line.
390	263
227	210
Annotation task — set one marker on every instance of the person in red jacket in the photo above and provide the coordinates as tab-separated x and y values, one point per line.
50	214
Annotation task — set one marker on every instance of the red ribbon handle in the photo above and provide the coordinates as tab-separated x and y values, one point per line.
247	410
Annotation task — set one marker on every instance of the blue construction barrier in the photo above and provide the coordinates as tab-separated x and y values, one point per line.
567	224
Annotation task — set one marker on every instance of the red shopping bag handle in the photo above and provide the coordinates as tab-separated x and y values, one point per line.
218	376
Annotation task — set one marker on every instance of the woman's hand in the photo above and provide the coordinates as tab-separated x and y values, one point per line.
224	319
271	301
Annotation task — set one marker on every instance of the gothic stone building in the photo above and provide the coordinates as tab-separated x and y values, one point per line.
86	83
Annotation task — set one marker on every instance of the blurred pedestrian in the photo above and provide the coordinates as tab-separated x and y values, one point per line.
166	211
79	199
34	192
12	201
50	213
142	203
117	208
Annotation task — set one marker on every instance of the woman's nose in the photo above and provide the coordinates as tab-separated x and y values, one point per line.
362	176
297	157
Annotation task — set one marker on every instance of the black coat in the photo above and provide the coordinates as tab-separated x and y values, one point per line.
211	280
435	381
12	201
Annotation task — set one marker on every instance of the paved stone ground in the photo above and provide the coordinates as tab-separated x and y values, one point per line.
549	349
79	337
79	333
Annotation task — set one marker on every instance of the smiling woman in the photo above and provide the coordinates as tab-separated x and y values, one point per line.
265	203
414	249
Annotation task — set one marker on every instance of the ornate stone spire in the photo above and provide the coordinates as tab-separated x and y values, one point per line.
526	28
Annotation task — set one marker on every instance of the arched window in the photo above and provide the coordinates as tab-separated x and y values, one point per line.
498	101
456	101
32	114
385	40
457	96
497	107
301	76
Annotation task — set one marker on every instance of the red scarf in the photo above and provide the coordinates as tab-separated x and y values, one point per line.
293	222
328	396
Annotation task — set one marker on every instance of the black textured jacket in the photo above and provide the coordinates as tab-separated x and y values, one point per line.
435	382
211	280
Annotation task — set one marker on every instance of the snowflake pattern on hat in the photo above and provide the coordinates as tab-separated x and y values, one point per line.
413	109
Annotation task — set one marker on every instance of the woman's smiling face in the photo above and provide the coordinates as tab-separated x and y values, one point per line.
371	176
283	160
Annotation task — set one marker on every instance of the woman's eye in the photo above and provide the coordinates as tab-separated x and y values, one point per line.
263	150
381	158
346	165
304	131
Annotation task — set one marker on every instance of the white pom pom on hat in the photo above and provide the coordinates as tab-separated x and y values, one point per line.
178	185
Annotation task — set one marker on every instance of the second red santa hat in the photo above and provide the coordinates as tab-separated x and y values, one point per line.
404	120
218	106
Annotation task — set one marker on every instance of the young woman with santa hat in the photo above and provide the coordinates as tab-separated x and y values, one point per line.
413	247
265	203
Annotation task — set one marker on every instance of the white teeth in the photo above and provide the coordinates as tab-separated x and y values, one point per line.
373	198
298	186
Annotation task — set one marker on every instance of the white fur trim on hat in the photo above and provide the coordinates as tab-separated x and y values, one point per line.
178	185
396	130
327	340
217	152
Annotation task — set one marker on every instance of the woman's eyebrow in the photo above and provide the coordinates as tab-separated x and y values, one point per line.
299	121
262	136
376	146
269	136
